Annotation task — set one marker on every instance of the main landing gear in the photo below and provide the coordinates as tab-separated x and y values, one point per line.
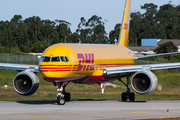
127	95
62	96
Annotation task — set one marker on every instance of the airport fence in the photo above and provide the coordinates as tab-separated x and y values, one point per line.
33	59
19	59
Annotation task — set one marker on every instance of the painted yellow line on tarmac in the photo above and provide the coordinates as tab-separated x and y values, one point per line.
13	115
141	112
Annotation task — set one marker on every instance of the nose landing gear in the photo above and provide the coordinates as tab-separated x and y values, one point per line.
62	96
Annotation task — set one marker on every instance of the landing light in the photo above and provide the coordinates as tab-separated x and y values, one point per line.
104	72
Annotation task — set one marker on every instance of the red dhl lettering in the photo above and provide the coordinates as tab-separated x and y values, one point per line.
126	26
85	62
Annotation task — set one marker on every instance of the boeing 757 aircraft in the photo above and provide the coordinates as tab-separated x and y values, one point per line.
89	63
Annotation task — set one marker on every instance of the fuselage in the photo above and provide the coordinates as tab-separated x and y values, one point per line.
82	63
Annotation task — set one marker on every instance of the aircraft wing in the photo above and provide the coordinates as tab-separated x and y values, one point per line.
156	55
114	71
19	67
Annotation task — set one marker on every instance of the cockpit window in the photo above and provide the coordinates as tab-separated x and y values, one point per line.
63	59
55	59
67	60
46	59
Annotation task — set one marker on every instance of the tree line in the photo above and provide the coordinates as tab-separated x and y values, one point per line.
35	35
162	24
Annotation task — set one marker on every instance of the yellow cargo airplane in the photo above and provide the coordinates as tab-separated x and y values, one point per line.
89	63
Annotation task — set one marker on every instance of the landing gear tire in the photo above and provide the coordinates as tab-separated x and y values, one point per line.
132	96
123	96
127	95
67	96
61	101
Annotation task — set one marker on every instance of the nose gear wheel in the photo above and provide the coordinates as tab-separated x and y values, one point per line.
62	96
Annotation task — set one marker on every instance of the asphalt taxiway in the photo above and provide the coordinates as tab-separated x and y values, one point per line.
88	110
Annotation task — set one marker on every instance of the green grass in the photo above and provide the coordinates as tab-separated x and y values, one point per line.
168	80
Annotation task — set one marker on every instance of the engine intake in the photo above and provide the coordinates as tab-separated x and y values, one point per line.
144	82
26	83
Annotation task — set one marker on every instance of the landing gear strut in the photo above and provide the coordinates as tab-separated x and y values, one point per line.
62	96
127	95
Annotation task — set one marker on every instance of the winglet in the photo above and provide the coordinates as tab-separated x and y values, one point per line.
124	33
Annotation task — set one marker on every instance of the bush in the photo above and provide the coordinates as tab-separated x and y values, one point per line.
166	47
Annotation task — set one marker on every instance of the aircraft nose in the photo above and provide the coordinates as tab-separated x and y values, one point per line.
55	72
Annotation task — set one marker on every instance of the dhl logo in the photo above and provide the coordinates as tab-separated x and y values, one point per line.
85	62
126	26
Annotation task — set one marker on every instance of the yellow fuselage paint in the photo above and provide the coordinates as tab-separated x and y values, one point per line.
86	62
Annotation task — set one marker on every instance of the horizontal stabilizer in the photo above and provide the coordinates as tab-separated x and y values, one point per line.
156	55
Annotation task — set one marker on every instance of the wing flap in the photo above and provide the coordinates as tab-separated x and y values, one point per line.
19	67
109	71
165	66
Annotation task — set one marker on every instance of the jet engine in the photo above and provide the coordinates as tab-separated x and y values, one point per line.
144	82
26	83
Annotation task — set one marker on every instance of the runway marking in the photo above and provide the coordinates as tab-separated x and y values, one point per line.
142	112
12	115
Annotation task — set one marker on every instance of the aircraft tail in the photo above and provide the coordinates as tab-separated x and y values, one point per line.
124	33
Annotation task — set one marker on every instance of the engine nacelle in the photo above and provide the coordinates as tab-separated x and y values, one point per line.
144	82
26	83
